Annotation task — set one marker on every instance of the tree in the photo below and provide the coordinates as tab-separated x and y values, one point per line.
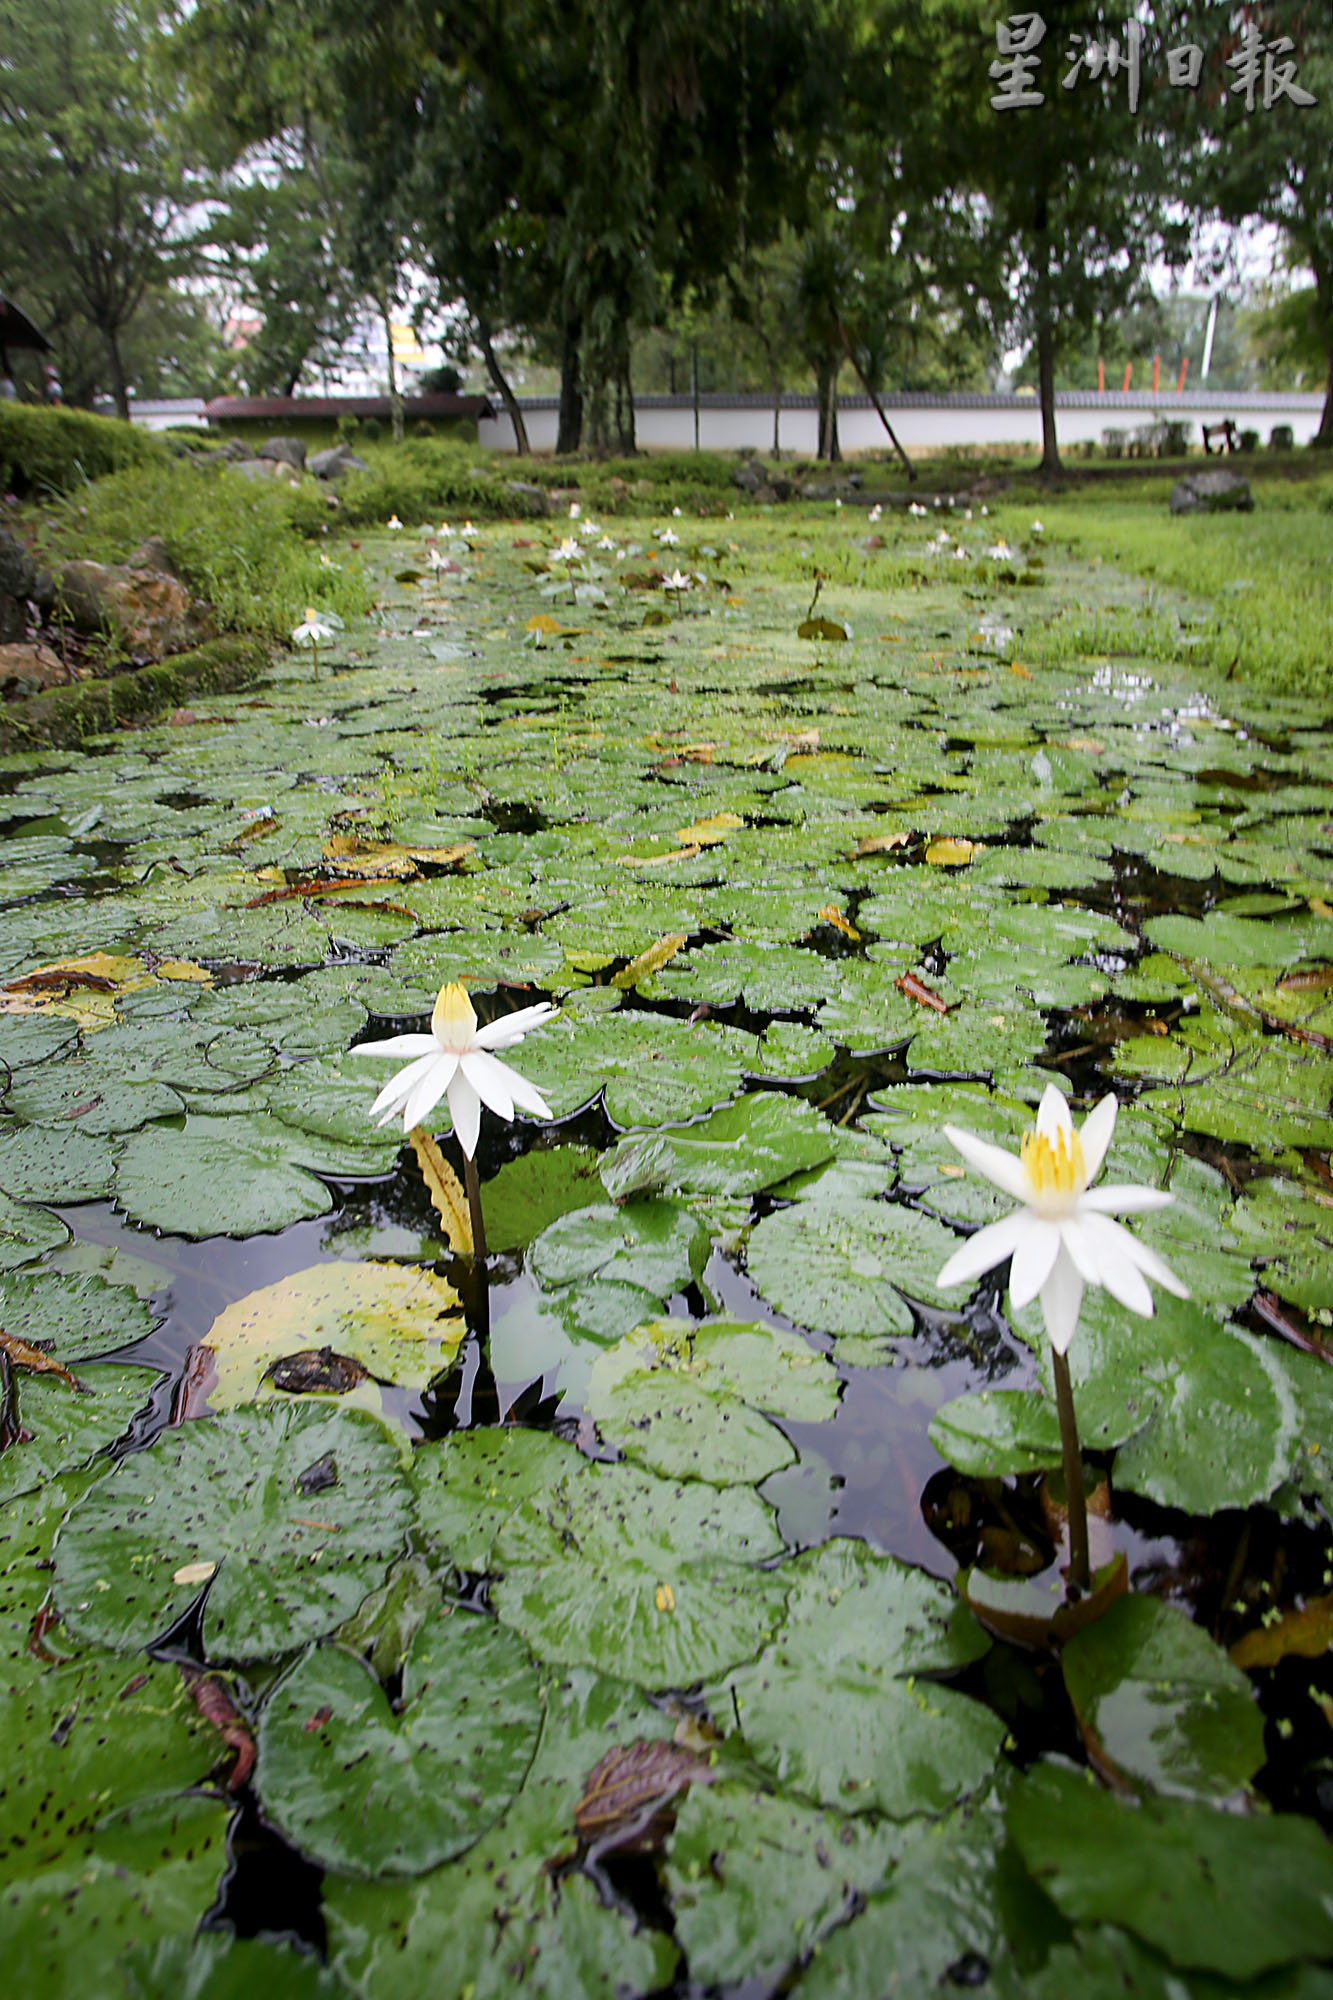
94	180
1273	160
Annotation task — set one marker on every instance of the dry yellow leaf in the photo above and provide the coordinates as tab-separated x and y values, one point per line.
1320	907
447	1197
650	961
879	843
831	914
86	989
1091	745
656	860
194	1573
665	1598
707	832
543	622
951	853
389	857
1025	673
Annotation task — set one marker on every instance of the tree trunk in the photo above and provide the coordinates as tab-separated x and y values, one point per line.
569	436
1050	467
694	388
626	437
119	388
395	400
826	382
500	384
1323	437
1050	450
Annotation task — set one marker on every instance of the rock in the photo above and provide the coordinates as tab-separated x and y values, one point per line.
147	612
152	554
1212	493
44	592
18	579
30	669
335	462
750	475
285	450
267	468
528	499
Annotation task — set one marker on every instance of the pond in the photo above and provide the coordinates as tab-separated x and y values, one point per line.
674	1601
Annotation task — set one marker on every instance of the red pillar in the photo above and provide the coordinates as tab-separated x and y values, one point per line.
1129	370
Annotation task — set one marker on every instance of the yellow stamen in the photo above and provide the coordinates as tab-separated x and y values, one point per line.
1054	1167
453	1021
311	615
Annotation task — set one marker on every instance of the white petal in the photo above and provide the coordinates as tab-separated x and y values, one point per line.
1005	1170
398	1045
1124	1200
1148	1261
1109	1246
429	1090
401	1085
490	1079
982	1252
1061	1297
465	1109
1095	1135
1036	1252
511	1028
527	1097
1053	1114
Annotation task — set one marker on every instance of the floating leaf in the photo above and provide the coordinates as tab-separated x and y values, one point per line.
77	1317
372	1789
301	1508
446	1193
26	1233
64	1427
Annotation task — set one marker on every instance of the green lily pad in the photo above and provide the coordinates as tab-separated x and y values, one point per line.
497	1910
997	1432
687	1401
1163	1704
536	1189
27	1233
371	1789
655	1245
1224	1893
64	1428
835	1707
301	1509
843	1267
739	1150
74	1316
219	1966
469	1485
615	1569
758	1882
147	1875
655	1070
46	1163
218	1177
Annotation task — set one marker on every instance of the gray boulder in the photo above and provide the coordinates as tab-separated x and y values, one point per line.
1212	493
280	469
18	579
527	498
334	463
290	451
750	475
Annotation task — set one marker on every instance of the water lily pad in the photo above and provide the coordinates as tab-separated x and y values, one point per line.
835	1707
687	1401
402	1324
27	1233
73	1316
844	1267
758	1882
145	1875
219	1966
615	1569
497	1910
45	1163
654	1069
1215	1890
468	1485
738	1150
529	1193
64	1428
301	1509
1160	1704
217	1177
657	1246
372	1788
997	1432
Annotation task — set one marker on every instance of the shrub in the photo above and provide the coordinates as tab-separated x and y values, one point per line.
1113	443
235	544
1249	440
46	451
1283	437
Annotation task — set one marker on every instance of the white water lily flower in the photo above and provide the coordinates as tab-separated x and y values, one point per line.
468	529
669	536
393	522
574	510
676	581
1001	552
1037	528
606	543
875	512
919	512
1062	1238
312	630
677	512
456	1060
446	531
568	551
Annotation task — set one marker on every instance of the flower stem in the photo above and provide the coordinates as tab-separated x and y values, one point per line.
1079	1573
473	1186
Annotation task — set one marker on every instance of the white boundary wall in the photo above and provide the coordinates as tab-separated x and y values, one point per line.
921	423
